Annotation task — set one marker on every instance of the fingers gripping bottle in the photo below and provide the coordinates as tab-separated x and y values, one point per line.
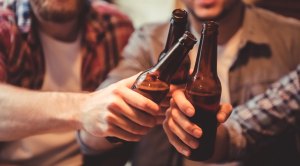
203	90
154	83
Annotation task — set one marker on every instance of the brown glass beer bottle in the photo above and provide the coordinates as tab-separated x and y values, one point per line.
154	83
203	90
178	25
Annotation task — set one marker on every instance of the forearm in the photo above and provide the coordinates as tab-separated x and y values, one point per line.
25	112
257	123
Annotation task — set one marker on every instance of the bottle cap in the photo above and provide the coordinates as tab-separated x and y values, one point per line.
179	15
210	26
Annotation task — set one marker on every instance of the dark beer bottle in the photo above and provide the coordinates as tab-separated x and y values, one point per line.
203	90
178	25
154	83
177	28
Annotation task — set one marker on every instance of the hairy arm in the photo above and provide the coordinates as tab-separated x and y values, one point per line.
26	112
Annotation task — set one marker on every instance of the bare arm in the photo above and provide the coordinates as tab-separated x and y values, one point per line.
26	112
113	111
125	114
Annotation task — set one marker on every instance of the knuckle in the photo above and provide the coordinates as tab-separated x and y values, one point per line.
189	128
110	129
144	104
171	126
113	104
174	115
110	119
116	90
185	139
136	130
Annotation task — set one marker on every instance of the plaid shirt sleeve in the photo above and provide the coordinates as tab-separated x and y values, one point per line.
2	68
8	11
6	35
255	123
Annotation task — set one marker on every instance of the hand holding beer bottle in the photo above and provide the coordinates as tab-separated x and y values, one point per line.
154	83
194	116
203	90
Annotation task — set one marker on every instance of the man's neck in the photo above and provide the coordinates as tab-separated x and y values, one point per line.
228	25
66	32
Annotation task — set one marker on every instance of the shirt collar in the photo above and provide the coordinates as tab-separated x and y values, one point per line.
253	28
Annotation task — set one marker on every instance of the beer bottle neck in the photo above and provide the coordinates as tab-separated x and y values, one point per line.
169	64
176	30
206	62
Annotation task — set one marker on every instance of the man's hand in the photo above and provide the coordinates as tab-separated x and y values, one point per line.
165	104
182	133
119	111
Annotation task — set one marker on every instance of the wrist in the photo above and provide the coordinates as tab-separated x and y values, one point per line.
71	111
83	143
93	145
79	104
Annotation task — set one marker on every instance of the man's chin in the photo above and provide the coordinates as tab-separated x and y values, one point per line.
212	16
205	17
58	17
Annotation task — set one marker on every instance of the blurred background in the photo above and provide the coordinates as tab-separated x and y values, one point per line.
145	11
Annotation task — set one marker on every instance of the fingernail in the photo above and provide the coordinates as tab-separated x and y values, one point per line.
194	144
197	133
190	112
185	152
222	116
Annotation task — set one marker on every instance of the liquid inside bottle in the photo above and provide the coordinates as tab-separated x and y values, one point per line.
203	90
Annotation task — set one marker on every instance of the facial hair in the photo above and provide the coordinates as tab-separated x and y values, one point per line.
58	14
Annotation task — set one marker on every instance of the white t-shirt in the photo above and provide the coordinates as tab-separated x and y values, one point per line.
63	64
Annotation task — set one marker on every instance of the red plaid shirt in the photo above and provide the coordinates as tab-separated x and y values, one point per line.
22	63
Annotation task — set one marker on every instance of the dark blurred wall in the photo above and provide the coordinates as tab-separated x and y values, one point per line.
285	7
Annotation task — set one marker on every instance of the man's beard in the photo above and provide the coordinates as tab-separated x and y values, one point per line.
58	14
